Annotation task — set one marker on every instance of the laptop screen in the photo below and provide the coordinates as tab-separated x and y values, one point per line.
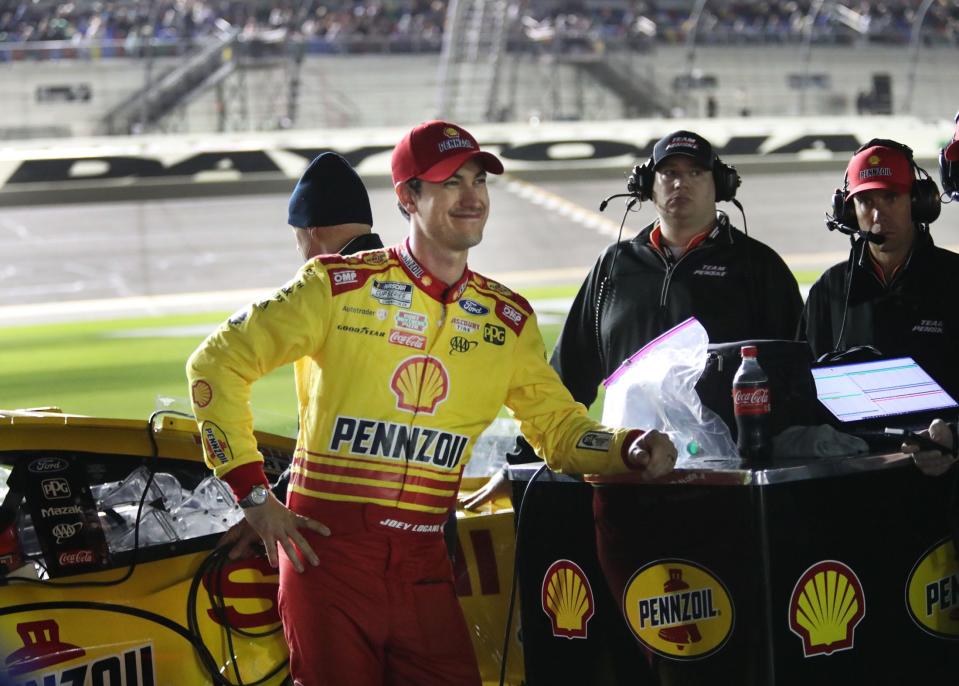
877	389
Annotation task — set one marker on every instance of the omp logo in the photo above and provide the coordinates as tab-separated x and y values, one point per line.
567	599
679	609
473	307
932	591
826	605
494	334
420	384
54	489
511	314
344	276
64	531
45	465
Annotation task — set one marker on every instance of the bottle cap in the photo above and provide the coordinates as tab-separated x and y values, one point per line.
748	351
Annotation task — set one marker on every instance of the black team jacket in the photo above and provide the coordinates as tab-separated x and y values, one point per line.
915	314
737	287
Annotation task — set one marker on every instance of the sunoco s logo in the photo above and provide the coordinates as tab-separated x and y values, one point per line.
567	599
827	604
679	609
46	465
932	591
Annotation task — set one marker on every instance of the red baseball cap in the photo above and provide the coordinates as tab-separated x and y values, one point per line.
879	167
951	151
435	150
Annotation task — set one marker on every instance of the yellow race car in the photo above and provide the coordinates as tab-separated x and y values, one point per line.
111	575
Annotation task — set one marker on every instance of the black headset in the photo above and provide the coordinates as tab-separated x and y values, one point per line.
925	204
725	177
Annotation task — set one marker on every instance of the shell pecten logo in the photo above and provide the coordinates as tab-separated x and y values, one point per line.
451	132
874	160
420	384
567	599
679	609
932	591
826	605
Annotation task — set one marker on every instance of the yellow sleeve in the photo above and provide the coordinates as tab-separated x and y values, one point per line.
555	425
249	345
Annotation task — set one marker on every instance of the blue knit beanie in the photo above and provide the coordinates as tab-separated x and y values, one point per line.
330	192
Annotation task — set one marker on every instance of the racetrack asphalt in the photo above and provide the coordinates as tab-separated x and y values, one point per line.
63	262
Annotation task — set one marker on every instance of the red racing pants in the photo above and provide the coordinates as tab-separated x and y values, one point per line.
379	610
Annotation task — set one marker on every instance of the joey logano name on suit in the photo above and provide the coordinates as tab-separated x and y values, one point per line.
372	437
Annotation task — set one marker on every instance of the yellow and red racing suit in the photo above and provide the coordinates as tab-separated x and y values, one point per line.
397	375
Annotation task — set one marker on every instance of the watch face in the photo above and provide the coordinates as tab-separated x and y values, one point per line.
257	496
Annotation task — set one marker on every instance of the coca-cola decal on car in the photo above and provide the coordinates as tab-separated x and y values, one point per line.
72	558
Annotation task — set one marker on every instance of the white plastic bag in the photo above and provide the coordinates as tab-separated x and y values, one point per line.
655	389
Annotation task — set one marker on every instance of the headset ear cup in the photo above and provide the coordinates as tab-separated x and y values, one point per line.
926	204
640	181
726	179
844	210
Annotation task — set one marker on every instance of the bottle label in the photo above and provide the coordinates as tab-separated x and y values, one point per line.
751	401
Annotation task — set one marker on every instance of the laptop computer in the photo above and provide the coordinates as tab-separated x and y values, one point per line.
865	397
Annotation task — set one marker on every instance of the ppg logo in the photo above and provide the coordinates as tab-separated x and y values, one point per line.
55	488
494	334
45	465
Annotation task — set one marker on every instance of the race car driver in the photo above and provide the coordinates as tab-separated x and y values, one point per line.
329	212
891	293
411	356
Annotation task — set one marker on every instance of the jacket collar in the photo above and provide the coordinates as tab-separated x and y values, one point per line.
427	282
366	241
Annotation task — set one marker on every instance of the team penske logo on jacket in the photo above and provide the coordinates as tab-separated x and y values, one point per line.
932	591
420	384
827	604
679	609
372	437
392	293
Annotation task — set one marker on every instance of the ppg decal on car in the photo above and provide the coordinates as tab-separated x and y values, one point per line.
473	307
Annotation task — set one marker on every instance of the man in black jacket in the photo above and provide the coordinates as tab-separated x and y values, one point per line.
893	293
690	262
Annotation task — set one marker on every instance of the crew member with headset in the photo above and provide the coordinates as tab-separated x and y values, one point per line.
893	292
690	262
949	165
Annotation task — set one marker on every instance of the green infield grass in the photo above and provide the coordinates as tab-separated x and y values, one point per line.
130	367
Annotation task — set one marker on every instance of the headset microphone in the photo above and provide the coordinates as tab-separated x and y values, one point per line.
834	224
629	205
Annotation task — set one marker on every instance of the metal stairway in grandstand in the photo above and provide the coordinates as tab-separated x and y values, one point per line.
144	110
471	61
640	96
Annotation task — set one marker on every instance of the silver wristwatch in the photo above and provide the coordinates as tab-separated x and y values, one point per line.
257	496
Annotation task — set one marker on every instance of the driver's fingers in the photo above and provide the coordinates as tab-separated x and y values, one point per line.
292	555
305	548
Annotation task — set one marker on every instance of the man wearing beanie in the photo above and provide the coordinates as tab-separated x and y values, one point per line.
949	165
893	292
329	211
411	355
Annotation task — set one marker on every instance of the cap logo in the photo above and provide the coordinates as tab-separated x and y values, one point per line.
874	159
453	143
874	171
450	132
683	141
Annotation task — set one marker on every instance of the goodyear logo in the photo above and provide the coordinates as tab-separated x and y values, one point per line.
679	609
826	605
932	591
420	384
567	599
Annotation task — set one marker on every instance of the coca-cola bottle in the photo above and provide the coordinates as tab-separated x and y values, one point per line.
752	407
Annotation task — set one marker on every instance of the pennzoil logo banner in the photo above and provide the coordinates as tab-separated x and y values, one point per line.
567	599
679	609
932	591
826	605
